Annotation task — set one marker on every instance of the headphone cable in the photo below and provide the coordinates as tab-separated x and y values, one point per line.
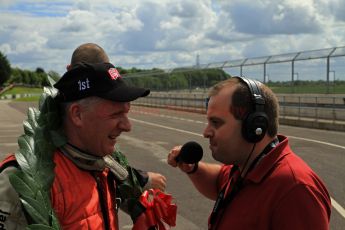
245	165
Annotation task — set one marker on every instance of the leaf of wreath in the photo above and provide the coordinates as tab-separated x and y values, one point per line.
42	135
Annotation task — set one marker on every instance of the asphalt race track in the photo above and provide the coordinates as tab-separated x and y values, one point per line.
156	131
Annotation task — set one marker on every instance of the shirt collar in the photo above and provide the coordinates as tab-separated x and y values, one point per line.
82	159
94	163
269	161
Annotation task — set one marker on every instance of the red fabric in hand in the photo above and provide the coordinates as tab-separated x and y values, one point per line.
160	212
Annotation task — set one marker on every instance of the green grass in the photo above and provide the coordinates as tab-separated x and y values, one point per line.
23	90
28	99
317	89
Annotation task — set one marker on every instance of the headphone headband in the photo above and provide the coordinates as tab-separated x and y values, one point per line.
254	126
255	93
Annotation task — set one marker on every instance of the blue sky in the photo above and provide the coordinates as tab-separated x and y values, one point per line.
49	8
165	33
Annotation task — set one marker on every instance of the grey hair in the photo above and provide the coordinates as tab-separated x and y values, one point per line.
85	103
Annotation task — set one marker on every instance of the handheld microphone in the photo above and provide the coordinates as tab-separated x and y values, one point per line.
190	153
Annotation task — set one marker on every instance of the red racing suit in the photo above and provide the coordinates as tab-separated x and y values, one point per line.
81	199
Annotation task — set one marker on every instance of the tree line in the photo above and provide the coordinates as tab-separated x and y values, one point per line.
156	79
176	79
16	75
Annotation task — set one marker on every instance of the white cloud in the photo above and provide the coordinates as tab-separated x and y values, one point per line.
166	33
5	48
263	17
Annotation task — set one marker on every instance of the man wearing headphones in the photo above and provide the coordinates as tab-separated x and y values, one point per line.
261	183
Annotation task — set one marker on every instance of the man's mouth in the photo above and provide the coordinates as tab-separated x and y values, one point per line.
212	143
113	137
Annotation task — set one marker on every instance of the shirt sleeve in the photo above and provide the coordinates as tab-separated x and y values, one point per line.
304	207
142	177
11	212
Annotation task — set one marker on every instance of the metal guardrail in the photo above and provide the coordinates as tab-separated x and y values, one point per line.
313	107
316	109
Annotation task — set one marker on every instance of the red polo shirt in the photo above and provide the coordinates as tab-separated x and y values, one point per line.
281	192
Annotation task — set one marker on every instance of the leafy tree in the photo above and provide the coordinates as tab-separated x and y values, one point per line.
44	79
26	77
5	69
16	76
40	70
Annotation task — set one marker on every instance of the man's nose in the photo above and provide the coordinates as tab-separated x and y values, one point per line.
125	124
207	132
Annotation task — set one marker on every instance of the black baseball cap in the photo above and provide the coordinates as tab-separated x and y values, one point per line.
101	80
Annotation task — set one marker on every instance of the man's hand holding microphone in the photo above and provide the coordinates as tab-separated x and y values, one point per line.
186	157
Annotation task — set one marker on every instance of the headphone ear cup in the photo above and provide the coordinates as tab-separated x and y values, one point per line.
254	127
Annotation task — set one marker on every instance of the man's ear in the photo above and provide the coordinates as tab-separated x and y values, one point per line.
74	113
68	67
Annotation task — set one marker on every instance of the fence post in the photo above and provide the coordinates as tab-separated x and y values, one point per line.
334	115
299	107
284	112
316	110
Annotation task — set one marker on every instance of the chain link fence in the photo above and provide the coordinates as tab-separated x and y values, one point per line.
310	85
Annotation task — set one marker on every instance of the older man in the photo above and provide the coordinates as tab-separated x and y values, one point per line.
95	102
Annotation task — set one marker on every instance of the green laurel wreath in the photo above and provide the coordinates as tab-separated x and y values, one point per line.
42	135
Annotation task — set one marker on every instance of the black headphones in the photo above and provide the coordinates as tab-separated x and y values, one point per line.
254	126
